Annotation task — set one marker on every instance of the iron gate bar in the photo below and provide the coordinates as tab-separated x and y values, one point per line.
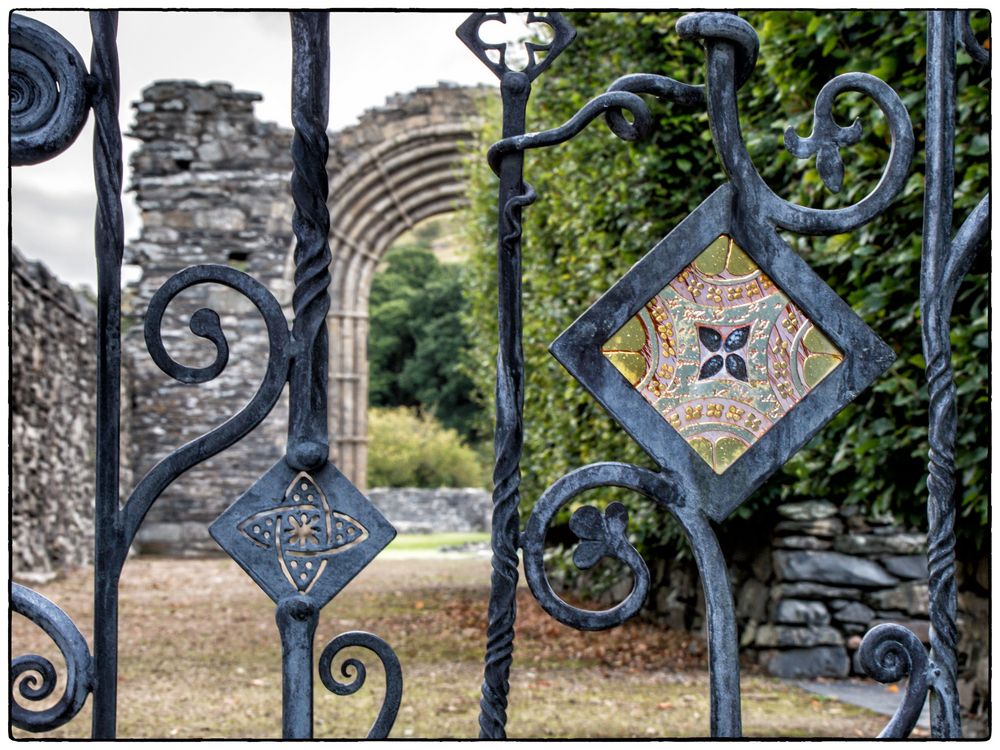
515	88
945	261
109	241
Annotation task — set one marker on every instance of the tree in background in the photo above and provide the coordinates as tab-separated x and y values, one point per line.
604	203
418	342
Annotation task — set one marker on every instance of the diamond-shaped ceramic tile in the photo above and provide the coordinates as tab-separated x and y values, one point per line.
299	533
721	353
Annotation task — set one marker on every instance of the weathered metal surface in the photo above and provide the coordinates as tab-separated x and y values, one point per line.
889	653
296	532
39	674
303	531
515	88
393	675
109	242
606	535
48	92
691	488
945	261
578	349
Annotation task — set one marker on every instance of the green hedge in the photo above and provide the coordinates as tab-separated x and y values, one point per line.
604	203
409	450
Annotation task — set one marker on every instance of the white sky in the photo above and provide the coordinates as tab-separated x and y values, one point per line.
373	55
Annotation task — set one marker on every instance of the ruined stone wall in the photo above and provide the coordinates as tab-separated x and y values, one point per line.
429	511
212	185
211	182
52	422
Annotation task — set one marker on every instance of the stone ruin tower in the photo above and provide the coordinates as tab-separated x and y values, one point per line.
211	182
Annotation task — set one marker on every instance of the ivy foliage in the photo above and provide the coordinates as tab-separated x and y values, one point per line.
604	203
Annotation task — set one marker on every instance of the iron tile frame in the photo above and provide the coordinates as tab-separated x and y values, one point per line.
578	349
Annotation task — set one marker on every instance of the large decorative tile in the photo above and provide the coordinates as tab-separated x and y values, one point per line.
721	353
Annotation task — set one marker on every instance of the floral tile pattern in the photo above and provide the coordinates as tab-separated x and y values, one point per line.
722	353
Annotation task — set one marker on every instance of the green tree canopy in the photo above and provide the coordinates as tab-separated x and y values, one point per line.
418	343
604	203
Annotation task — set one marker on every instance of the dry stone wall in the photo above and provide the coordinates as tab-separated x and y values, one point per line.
807	593
52	422
430	511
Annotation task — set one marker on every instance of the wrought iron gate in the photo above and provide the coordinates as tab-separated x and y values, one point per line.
302	531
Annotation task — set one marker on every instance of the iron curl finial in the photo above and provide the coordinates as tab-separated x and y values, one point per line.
967	37
715	26
48	92
600	534
38	675
731	47
888	653
205	323
607	103
355	668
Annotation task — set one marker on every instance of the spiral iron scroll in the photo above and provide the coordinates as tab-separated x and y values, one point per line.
205	323
732	48
888	653
716	29
34	676
604	535
355	668
48	92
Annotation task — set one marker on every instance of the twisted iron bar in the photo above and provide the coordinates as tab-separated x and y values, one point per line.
888	653
48	84
35	677
506	160
515	88
944	262
355	667
508	442
308	439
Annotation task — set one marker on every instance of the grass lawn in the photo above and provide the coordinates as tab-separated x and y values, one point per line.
407	544
200	658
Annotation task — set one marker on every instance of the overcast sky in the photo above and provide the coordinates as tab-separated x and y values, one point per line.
373	55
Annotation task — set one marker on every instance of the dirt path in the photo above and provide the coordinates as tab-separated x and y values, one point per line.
200	658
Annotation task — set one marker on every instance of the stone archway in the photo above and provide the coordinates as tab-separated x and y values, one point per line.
211	182
400	165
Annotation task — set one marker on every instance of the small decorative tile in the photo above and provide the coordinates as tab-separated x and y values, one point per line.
299	533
